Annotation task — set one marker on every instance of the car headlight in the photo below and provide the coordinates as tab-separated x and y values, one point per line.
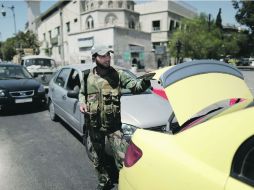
41	89
128	129
2	93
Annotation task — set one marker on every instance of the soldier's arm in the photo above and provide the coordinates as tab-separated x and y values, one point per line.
82	98
134	84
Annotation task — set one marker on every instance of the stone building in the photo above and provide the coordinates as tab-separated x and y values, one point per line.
161	18
69	29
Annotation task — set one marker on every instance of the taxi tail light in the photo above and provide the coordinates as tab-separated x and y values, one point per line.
132	155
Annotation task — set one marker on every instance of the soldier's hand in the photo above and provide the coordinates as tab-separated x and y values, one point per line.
83	108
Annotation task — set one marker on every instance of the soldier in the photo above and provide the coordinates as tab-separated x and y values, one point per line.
101	101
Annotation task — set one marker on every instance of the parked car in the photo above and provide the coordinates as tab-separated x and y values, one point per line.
147	110
17	86
210	146
41	67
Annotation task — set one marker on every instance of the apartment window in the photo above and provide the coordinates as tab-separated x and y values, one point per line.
132	24
68	29
120	4
110	4
91	5
177	25
100	3
156	25
89	22
44	36
58	30
172	25
75	20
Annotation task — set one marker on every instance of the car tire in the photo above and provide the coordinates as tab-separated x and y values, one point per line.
88	144
52	113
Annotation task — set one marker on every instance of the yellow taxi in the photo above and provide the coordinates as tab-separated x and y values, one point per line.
209	141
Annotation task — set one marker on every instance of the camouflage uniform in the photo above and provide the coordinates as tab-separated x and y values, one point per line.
103	106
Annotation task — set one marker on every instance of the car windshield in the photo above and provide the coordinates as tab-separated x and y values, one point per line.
40	62
13	72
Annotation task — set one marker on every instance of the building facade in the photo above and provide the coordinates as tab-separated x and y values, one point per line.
69	29
161	19
138	33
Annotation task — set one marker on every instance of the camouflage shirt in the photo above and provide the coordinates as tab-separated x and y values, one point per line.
103	96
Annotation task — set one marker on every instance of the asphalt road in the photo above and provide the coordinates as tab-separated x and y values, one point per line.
38	154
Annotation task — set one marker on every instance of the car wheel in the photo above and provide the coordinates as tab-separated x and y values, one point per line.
88	144
52	113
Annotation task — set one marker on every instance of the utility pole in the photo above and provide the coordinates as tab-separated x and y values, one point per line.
61	36
13	14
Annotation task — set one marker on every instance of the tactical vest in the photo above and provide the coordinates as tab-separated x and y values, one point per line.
103	100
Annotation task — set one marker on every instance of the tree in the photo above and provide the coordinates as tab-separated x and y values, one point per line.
198	42
9	48
27	40
245	16
219	20
245	13
21	40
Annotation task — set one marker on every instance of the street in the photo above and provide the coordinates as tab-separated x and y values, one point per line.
38	154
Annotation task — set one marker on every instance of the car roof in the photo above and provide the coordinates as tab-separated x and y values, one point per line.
81	67
36	56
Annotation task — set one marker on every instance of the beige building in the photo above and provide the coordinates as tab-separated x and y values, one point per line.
69	29
138	33
161	18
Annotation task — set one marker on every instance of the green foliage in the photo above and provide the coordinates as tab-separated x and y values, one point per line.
21	40
9	49
245	16
202	40
245	13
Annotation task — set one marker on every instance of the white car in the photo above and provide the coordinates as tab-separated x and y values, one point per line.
146	110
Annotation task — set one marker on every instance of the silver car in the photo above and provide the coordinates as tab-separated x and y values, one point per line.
146	110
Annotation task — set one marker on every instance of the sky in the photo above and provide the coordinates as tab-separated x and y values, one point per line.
7	22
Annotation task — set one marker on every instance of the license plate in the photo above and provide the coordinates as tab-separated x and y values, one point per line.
18	101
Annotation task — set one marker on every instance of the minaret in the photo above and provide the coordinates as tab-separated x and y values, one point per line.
33	11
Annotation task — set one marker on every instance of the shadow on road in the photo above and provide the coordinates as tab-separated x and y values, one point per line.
22	109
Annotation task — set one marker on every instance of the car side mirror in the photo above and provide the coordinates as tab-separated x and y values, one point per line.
73	94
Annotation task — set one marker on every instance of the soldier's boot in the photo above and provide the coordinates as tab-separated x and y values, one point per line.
104	183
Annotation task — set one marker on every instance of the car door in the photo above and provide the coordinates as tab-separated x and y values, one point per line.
59	92
71	105
242	171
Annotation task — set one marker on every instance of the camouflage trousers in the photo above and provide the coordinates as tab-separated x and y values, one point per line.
118	146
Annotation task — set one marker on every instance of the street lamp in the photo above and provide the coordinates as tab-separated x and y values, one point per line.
13	14
178	49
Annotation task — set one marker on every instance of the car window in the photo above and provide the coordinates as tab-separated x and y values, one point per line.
13	72
62	77
39	62
243	162
74	80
